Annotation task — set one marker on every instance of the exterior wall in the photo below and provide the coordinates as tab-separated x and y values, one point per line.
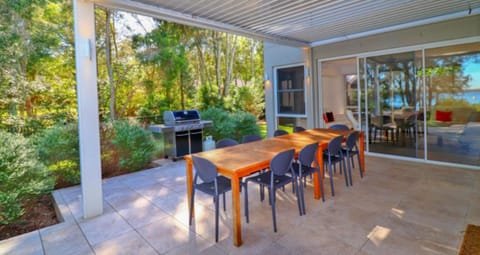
278	55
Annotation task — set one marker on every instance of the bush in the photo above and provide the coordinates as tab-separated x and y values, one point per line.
59	149
22	176
230	125
135	146
124	147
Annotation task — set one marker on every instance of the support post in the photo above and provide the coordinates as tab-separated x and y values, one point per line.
87	100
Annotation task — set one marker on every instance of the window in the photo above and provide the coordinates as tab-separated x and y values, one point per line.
351	91
290	91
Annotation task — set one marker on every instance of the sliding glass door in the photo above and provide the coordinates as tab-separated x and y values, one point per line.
393	103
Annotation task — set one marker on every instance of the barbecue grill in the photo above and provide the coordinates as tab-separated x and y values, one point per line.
182	132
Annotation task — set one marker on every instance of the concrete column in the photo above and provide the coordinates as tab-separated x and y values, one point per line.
87	99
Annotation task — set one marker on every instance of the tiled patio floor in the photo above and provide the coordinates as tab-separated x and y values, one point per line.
397	208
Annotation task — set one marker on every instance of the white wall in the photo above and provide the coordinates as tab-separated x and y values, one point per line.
278	55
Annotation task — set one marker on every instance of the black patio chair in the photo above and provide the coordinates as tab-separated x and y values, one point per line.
280	132
212	184
226	142
332	156
307	164
251	138
281	173
350	150
339	127
298	129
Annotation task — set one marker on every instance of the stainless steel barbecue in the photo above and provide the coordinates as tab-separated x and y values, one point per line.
182	132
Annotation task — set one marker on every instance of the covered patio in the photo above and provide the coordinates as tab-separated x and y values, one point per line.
397	208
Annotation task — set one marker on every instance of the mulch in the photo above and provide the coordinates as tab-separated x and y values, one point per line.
39	213
471	241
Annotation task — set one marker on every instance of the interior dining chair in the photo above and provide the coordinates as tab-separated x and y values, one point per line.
226	142
351	118
251	138
339	127
298	129
350	150
280	132
212	184
281	173
332	156
307	164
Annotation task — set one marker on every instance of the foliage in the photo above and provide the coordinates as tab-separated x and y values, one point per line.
135	146
59	149
124	145
230	124
22	176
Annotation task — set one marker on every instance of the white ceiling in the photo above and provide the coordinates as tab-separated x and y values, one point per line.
301	22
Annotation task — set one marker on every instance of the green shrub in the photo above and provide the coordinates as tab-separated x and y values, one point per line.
230	125
135	145
22	176
124	147
59	149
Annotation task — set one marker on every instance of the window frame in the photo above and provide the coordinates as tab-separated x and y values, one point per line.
275	90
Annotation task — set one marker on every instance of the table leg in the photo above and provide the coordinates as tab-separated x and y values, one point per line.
237	215
362	150
189	170
316	178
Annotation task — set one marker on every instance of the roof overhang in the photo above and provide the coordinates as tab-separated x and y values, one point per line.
300	23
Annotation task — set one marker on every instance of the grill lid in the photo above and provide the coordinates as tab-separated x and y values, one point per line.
172	118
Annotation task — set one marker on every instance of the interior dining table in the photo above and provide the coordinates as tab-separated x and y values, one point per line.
243	160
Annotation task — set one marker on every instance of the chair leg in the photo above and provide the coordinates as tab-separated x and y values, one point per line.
321	187
272	202
216	217
300	197
331	178
349	170
246	203
224	203
191	207
342	165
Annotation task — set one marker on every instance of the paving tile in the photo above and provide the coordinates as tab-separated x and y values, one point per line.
127	243
141	215
166	234
61	240
104	227
26	244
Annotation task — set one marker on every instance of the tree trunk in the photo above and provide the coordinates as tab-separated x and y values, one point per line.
230	59
216	50
108	60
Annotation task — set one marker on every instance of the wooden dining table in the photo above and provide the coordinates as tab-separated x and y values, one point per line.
243	160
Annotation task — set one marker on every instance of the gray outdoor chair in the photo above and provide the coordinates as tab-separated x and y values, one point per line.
280	132
212	184
332	156
339	127
303	167
350	150
251	138
298	129
226	142
281	173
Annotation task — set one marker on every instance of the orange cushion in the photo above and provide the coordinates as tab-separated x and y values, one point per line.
443	116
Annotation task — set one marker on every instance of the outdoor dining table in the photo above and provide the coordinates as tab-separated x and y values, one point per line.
242	160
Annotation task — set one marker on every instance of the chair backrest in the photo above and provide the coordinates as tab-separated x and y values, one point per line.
307	154
352	139
206	170
280	132
339	127
282	162
335	146
298	129
251	138
352	119
226	142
